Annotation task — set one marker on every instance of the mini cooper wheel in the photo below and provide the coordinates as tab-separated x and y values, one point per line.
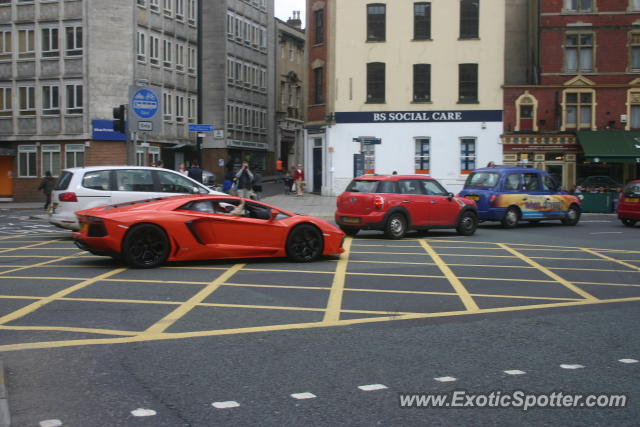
628	222
467	224
510	219
305	243
145	246
573	216
349	231
396	226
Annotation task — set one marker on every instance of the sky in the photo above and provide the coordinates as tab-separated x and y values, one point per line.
285	7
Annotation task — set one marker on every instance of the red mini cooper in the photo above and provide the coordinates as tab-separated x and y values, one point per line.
397	203
629	204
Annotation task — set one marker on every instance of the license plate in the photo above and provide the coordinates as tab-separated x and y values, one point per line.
632	199
350	220
472	197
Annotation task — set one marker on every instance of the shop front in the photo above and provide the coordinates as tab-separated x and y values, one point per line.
612	154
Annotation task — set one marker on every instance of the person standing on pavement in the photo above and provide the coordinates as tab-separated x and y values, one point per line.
244	178
279	169
46	185
298	178
182	169
195	172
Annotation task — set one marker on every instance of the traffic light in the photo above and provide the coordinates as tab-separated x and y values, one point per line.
119	116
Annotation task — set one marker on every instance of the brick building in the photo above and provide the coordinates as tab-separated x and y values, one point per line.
574	108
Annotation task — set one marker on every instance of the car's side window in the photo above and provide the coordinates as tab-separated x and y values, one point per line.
530	182
410	186
174	183
134	180
432	188
512	183
387	187
548	183
98	180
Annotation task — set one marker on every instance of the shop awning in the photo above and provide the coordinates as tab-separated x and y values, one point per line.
611	146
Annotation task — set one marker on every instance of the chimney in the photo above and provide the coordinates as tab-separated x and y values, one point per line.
295	21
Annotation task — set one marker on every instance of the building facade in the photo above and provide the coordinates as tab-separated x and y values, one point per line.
237	84
578	114
385	96
290	86
65	64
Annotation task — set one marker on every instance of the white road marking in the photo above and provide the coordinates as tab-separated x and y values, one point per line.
595	220
608	232
225	405
628	361
50	423
141	412
445	379
305	395
514	372
372	387
565	366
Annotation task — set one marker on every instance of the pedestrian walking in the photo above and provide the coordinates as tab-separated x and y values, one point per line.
288	182
47	185
182	169
244	178
279	170
298	178
195	172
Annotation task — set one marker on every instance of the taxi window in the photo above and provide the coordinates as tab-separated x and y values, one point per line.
482	180
548	183
530	182
512	183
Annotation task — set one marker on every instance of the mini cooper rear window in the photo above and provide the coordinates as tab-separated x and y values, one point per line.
632	188
362	186
482	180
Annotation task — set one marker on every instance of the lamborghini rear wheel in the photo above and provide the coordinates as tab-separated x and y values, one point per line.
305	243
145	246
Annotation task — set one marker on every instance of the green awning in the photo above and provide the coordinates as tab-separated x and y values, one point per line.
611	145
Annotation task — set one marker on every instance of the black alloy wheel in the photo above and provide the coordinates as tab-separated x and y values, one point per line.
628	222
396	226
511	218
145	246
573	216
305	243
349	231
467	224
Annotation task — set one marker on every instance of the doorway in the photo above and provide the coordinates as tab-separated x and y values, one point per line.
6	176
556	170
317	165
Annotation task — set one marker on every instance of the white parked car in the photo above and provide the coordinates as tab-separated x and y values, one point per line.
90	187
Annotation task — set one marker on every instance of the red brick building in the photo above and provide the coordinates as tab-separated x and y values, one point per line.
577	112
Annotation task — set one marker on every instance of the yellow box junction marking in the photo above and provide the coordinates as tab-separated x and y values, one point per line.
334	302
608	258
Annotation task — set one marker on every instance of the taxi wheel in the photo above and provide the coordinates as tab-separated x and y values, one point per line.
510	219
396	226
467	224
305	243
629	222
145	246
573	216
349	231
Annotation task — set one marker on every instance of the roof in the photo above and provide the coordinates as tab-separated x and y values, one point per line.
394	177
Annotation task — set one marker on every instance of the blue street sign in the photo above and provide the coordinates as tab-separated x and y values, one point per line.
145	103
200	128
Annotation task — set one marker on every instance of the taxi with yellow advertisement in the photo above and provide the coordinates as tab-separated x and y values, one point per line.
510	194
629	204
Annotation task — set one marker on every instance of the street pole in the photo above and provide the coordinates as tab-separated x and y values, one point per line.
199	85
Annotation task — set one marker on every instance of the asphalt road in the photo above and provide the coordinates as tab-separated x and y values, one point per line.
88	342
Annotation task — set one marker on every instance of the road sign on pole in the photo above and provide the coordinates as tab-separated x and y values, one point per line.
200	128
145	109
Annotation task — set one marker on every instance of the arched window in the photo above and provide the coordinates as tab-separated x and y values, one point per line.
526	113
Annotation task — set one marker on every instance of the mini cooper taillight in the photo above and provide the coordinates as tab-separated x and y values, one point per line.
68	197
378	202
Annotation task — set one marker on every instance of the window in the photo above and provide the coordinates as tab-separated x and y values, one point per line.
191	12
179	57
318	86
74	99
369	152
191	110
50	100
50	157
467	154
421	21
375	82
50	42
421	82
141	47
634	110
74	41
578	110
166	53
27	95
142	3
167	106
376	22
469	18
134	179
167	7
191	60
549	184
74	155
634	46
410	186
422	155
634	4
512	182
433	188
179	109
154	5
26	45
530	182
179	10
154	49
468	83
97	180
5	101
578	5
5	45
174	183
578	52
27	160
318	16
